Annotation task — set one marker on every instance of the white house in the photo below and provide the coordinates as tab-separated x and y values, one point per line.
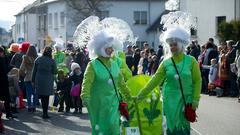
57	24
49	18
139	14
25	27
209	14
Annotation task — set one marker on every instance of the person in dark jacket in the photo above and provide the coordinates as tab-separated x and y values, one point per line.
211	53
4	89
136	58
194	51
230	56
43	77
16	62
63	90
159	52
76	77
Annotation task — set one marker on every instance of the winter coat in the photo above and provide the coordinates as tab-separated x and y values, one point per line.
43	75
16	60
76	79
195	52
13	85
26	68
4	91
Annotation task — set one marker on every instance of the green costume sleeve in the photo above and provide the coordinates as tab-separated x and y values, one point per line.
87	83
157	79
123	88
197	82
126	72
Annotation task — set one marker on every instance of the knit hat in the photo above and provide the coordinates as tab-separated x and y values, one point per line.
24	46
74	66
14	47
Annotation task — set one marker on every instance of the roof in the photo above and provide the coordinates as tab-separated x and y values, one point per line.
29	7
156	23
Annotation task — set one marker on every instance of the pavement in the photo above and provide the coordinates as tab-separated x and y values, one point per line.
59	123
216	116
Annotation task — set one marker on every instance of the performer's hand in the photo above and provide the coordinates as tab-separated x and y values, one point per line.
85	103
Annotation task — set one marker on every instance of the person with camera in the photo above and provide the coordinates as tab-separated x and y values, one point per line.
102	84
181	78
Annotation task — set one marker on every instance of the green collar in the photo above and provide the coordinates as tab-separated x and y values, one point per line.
105	60
178	57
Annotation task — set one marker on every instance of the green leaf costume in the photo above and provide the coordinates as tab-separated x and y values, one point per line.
148	115
100	97
59	58
172	99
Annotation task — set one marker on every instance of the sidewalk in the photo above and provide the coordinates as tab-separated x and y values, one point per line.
59	123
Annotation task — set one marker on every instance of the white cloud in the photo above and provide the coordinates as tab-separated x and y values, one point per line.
9	8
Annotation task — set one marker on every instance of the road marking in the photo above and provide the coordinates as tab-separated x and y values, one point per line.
196	131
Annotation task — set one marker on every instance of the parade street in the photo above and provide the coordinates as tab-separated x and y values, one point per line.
216	116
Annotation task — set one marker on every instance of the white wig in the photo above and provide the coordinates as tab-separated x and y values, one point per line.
176	35
100	41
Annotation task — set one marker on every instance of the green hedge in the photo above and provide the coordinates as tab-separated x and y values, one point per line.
229	31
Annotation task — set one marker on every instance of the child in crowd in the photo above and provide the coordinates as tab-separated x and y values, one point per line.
13	79
76	77
212	76
63	91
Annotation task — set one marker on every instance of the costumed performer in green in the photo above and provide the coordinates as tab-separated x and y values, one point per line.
176	39
99	92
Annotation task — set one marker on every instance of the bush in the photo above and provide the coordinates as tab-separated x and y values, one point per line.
229	30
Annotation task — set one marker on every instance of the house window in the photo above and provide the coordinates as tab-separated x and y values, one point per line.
193	32
103	14
39	22
24	27
219	20
44	22
50	20
62	19
139	44
140	17
55	20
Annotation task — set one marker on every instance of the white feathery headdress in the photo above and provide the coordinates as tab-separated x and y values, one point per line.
98	43
87	33
175	35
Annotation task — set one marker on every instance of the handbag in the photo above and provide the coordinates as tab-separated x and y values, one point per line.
123	109
189	112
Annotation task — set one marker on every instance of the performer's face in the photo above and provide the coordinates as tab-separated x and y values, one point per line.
109	51
174	48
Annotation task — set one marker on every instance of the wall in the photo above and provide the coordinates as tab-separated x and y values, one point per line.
124	10
56	32
206	11
31	34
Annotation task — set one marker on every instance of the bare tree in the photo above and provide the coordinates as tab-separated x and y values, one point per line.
83	8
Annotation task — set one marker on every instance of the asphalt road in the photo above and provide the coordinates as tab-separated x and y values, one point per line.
216	116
